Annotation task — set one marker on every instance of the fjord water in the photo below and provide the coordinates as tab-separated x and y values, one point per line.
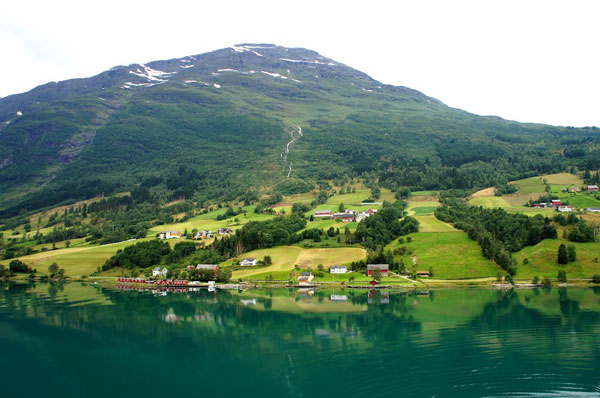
86	340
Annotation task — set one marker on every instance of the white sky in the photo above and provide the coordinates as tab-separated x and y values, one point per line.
525	60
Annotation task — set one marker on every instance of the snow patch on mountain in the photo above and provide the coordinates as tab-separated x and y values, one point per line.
19	113
217	85
273	74
186	66
152	75
308	61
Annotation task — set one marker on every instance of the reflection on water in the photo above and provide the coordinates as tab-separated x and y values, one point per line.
86	340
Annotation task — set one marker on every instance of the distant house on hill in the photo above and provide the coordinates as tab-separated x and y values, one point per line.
249	262
593	209
423	274
574	189
224	231
323	214
383	268
338	269
565	209
204	234
591	188
556	202
169	235
157	271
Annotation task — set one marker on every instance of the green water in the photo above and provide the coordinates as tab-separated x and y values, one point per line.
81	340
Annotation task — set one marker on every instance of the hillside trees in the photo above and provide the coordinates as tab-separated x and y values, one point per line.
497	232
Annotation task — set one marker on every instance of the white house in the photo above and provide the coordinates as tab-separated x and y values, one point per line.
593	209
338	269
169	235
565	209
157	271
249	262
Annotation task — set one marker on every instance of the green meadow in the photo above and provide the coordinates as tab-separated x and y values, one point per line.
451	255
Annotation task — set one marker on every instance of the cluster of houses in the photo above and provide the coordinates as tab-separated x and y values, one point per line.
203	234
554	204
347	216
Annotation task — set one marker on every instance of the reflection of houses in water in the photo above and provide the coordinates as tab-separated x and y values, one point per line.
248	302
171	316
378	296
326	333
338	297
306	293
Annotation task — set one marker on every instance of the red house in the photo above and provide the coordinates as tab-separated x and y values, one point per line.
383	268
556	203
323	214
592	188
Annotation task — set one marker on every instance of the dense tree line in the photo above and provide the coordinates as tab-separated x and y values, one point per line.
385	225
260	234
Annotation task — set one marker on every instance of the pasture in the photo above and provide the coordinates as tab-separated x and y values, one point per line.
285	258
543	260
429	224
452	255
76	261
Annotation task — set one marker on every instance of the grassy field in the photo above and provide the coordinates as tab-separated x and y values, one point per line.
489	201
418	207
76	261
430	224
285	258
583	201
531	185
543	260
563	179
452	255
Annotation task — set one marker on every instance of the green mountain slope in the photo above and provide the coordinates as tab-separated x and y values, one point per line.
217	125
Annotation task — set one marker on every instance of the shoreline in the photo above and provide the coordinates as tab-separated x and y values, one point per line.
487	283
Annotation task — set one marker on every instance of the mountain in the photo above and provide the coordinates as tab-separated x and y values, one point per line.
251	119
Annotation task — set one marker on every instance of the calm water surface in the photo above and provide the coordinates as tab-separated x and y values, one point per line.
84	340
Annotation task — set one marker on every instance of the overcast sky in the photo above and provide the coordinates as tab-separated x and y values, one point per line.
531	61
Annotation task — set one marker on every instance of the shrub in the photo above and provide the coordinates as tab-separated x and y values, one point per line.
596	278
546	282
563	257
562	276
19	266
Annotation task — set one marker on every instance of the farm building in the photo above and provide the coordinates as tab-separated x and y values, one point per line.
211	267
224	231
591	188
556	202
305	278
338	269
249	262
348	217
169	235
423	274
384	268
593	209
323	214
157	271
574	189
